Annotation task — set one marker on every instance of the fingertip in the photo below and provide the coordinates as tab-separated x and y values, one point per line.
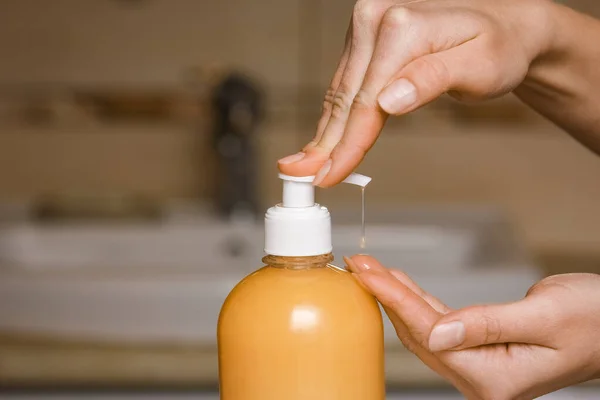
448	318
447	336
342	165
292	159
411	309
398	97
307	165
322	173
351	265
365	262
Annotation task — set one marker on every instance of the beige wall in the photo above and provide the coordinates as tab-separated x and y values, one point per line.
89	41
547	182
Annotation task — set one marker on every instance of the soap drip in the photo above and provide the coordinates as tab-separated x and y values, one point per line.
363	236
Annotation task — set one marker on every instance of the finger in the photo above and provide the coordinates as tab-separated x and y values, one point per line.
429	77
418	316
429	298
333	87
403	332
410	343
417	349
406	35
365	20
360	263
527	321
365	119
285	164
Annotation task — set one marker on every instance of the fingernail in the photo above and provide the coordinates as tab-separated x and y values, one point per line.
398	96
354	267
322	173
292	159
447	336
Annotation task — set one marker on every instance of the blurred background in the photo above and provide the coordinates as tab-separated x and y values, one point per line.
138	148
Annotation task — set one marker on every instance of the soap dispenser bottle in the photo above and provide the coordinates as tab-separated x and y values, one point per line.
300	328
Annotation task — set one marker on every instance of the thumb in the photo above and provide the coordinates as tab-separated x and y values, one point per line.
521	322
430	76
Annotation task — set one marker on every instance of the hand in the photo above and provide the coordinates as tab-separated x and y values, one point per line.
522	350
402	54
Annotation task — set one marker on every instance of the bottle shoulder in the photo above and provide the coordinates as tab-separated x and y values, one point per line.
279	281
332	291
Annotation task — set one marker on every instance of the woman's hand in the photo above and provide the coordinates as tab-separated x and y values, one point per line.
402	54
522	350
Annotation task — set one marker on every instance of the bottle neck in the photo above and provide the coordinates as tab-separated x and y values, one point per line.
321	261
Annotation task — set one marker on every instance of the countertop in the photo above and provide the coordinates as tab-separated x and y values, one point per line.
27	361
36	361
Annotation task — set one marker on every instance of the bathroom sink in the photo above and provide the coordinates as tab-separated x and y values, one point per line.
167	281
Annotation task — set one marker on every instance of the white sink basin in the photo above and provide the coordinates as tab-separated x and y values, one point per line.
167	282
415	240
213	246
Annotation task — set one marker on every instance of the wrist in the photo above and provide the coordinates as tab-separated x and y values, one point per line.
552	43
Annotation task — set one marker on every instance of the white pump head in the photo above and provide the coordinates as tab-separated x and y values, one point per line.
297	191
298	226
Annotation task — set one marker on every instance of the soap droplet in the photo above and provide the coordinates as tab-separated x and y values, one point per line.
363	237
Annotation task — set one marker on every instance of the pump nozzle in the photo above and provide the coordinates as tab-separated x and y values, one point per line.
299	227
298	191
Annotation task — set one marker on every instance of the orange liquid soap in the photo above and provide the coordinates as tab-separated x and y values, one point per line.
300	329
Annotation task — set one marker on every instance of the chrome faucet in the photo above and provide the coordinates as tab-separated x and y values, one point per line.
238	111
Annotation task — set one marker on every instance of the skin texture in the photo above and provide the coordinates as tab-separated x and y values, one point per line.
400	55
470	49
522	350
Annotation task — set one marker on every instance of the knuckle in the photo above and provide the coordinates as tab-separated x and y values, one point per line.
341	102
407	341
390	301
363	100
397	17
420	337
364	12
555	281
492	328
328	101
536	288
410	345
436	72
492	81
357	150
405	337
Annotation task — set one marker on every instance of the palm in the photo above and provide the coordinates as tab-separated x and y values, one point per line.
473	370
517	350
493	366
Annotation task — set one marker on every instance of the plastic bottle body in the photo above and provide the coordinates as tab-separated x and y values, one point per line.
301	331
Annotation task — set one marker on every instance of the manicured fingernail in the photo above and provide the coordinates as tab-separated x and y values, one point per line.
447	336
322	173
354	267
357	267
398	96
292	159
